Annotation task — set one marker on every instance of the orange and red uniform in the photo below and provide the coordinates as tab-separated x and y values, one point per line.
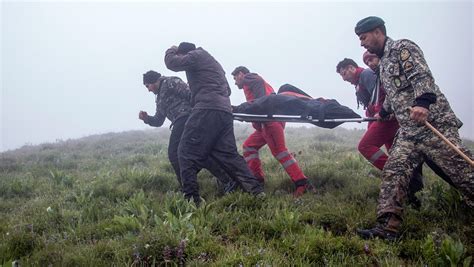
267	133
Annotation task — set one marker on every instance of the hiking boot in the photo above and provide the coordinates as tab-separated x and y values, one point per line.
299	191
302	186
386	228
377	231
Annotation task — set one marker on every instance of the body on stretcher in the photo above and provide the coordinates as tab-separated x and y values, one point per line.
291	105
292	118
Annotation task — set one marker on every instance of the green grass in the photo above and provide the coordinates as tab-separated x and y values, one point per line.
111	200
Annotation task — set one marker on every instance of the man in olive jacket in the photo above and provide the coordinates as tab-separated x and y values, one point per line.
172	97
209	130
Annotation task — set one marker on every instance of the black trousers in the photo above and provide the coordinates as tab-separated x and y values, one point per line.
225	183
210	134
436	169
416	182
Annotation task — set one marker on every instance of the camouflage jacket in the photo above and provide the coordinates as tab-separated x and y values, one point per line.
172	101
407	78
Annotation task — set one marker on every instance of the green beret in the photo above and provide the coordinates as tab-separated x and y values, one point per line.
368	24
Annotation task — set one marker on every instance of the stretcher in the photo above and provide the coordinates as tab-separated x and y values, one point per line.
325	113
293	118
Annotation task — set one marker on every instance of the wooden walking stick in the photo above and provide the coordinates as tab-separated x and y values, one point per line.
440	135
464	156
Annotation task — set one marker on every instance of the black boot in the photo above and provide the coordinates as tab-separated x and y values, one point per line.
303	186
386	228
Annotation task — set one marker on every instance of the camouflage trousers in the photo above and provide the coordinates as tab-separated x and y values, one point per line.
408	152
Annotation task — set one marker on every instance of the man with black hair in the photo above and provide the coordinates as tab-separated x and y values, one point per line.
267	133
414	98
172	102
371	95
209	130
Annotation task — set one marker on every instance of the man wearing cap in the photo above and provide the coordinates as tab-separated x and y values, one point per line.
267	133
414	98
172	97
209	130
371	60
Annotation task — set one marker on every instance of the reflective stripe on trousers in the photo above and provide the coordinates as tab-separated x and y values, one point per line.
376	156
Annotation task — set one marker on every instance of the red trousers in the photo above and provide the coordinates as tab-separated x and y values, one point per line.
272	134
379	133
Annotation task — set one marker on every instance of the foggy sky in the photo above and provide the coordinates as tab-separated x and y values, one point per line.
71	69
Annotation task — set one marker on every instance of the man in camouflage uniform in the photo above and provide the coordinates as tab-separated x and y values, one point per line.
413	97
172	102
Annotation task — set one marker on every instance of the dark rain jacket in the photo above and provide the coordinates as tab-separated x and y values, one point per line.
206	78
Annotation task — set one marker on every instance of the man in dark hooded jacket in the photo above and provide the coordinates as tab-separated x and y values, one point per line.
209	130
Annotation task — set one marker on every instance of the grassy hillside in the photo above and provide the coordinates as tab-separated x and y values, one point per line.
111	200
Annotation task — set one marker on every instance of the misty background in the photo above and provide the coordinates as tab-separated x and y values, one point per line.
72	69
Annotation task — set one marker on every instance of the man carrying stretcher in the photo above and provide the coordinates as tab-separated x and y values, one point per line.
270	133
